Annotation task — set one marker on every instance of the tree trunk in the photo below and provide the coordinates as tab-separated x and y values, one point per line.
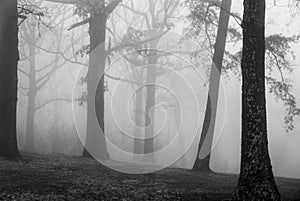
256	181
29	140
8	77
137	144
206	140
95	139
177	87
150	103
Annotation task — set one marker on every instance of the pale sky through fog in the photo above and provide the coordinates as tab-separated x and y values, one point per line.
284	147
144	99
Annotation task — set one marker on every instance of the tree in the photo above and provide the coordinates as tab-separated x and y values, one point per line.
204	17
149	53
38	77
97	31
95	13
152	58
8	77
256	181
205	143
157	26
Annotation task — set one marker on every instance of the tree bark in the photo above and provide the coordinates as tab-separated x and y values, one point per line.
177	87
95	139
205	145
8	77
151	88
29	140
150	98
256	181
32	92
137	143
149	109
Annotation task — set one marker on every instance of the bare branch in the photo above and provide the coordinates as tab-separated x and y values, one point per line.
51	101
44	80
22	71
46	66
136	63
135	43
120	79
134	11
63	56
237	18
79	24
111	7
64	1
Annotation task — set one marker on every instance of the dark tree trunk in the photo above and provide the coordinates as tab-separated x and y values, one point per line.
8	77
95	139
256	180
206	140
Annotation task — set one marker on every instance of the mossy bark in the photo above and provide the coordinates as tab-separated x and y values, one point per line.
256	181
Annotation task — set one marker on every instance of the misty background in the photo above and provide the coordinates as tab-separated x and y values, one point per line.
57	56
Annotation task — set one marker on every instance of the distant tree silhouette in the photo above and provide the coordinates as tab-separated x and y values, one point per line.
38	76
205	143
94	13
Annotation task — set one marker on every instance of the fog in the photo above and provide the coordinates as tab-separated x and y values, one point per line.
54	62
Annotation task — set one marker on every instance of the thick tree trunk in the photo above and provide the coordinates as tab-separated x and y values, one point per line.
206	140
95	139
8	77
256	180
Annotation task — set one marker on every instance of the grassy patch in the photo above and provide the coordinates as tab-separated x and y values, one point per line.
58	177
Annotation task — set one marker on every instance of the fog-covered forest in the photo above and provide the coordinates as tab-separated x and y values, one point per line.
149	100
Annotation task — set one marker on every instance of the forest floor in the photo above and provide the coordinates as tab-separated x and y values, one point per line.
58	177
